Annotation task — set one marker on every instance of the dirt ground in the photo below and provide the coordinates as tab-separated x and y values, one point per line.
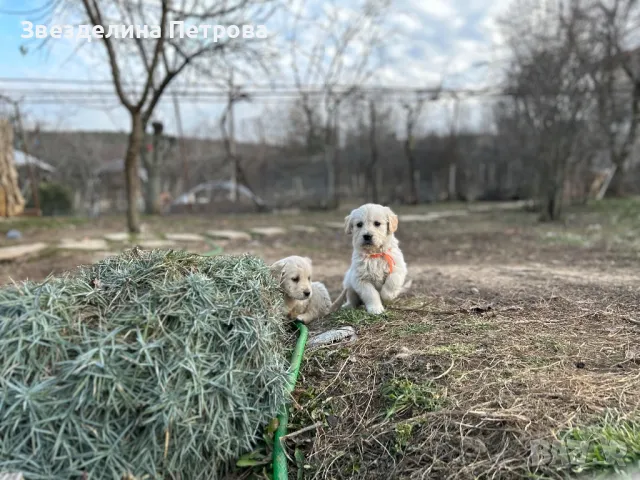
517	338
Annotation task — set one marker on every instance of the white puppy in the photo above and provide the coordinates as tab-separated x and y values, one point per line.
305	300
378	271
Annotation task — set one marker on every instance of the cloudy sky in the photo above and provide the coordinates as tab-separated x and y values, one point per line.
425	41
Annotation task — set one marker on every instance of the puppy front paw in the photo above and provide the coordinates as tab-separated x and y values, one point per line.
375	309
303	319
388	295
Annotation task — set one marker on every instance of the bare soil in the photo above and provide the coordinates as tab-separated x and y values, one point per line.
514	333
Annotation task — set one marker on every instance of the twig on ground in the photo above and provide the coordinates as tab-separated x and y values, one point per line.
446	372
301	431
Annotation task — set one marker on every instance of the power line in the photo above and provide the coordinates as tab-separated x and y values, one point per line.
220	93
219	97
79	81
100	98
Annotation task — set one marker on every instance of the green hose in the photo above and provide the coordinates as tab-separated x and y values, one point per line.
280	470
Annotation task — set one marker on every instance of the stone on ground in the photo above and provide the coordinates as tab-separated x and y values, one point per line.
184	237
14	235
84	244
18	251
268	231
229	234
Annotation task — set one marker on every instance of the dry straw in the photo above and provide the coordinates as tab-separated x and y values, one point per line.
152	364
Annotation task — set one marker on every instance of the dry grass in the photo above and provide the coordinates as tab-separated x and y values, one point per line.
444	391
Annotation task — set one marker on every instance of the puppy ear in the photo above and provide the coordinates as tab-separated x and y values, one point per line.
348	227
277	270
392	221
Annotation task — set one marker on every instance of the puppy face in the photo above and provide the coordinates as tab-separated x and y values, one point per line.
294	275
371	226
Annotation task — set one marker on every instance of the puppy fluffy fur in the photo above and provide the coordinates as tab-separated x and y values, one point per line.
378	271
305	300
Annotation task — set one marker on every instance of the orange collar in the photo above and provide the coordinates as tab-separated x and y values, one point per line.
390	261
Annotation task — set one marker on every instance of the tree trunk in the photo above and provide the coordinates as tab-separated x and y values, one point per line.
331	174
451	192
335	159
413	187
553	203
132	180
373	145
553	188
153	163
616	186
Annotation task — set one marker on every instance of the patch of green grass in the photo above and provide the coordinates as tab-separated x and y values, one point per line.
624	207
359	316
551	344
403	395
478	326
409	330
566	238
403	435
45	223
596	450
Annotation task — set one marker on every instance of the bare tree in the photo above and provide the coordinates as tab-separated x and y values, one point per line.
412	117
413	112
452	151
143	69
235	95
615	74
552	95
330	63
373	143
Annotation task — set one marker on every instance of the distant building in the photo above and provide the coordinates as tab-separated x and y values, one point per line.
23	162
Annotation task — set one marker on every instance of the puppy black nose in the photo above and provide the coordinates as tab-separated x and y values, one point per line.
367	237
307	293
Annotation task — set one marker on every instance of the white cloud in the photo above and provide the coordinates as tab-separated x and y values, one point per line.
440	10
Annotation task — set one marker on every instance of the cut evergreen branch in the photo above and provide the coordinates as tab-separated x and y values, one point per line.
154	364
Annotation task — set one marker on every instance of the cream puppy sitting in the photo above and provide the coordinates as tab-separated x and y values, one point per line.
305	300
378	271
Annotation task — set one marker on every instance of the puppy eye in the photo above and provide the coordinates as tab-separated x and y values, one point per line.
359	225
309	278
377	224
296	279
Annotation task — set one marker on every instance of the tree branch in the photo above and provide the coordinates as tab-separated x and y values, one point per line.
95	16
156	55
